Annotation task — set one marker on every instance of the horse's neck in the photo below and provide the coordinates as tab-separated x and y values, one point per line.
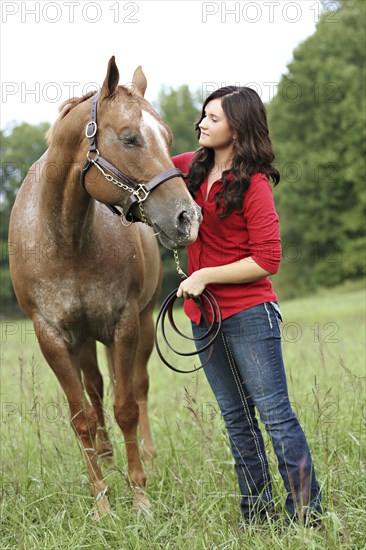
66	210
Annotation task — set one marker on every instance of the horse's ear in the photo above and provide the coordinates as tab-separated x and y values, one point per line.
139	80
111	80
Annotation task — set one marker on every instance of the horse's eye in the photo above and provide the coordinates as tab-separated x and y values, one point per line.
131	140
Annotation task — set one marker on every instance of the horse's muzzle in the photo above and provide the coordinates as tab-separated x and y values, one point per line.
182	231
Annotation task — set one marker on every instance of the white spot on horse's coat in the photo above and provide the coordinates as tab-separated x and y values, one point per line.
149	121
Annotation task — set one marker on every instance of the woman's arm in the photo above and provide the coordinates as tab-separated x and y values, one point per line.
243	271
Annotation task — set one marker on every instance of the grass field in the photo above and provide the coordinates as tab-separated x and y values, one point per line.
192	484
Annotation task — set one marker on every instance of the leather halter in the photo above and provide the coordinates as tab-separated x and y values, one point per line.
138	191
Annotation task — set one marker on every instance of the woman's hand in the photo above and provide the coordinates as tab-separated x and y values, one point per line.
193	286
242	271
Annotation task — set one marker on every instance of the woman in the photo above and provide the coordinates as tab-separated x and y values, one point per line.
238	247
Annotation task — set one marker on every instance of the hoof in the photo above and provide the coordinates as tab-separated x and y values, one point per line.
140	501
103	508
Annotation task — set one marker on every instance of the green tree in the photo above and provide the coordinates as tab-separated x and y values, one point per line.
180	109
21	145
317	123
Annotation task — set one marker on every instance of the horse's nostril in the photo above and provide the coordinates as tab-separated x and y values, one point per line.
183	218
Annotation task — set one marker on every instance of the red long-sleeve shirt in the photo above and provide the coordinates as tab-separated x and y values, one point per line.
251	231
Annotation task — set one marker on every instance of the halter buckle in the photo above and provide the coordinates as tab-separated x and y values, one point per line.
141	188
94	126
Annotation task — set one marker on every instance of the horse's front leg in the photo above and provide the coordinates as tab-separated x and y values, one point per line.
126	408
66	367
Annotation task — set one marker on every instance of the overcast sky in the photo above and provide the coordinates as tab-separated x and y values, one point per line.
51	51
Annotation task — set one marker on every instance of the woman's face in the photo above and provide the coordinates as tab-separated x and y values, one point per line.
214	127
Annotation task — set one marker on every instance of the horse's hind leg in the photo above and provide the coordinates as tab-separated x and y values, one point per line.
126	409
83	417
141	380
93	382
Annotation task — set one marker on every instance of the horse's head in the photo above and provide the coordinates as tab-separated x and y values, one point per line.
133	138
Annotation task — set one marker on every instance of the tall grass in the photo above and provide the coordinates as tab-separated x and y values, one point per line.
191	482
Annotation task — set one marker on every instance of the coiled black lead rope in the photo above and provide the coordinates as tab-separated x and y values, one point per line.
213	327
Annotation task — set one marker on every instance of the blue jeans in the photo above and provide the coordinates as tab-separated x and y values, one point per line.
246	371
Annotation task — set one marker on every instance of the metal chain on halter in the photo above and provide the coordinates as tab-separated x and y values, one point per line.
177	265
109	177
125	187
142	213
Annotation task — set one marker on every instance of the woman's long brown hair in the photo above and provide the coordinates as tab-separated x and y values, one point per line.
253	150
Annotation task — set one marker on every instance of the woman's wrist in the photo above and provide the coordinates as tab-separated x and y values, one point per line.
204	275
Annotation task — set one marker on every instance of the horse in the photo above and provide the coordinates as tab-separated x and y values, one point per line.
82	276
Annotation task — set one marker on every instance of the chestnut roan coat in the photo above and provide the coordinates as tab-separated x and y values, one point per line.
92	279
